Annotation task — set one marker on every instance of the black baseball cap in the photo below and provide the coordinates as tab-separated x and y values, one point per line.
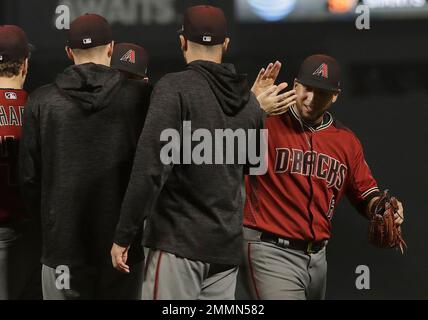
131	58
13	43
320	71
204	25
89	31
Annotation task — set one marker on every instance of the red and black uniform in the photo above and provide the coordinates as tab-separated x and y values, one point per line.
310	169
12	103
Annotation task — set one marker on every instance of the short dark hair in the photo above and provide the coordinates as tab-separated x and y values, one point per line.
11	69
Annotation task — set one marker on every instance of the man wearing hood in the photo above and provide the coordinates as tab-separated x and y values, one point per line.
79	138
194	225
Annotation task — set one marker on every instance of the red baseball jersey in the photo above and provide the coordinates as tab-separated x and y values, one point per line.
309	170
12	103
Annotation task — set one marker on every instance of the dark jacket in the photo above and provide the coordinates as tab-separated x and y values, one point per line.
195	211
79	140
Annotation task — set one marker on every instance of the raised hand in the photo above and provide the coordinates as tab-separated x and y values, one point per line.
273	102
266	78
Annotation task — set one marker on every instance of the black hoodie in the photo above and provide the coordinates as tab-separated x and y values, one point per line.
230	89
78	144
195	211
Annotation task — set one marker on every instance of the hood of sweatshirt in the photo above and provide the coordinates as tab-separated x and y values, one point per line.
231	89
93	86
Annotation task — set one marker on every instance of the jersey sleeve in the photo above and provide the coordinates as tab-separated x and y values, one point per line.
149	172
362	186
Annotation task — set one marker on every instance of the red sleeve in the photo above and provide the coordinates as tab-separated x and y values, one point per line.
362	187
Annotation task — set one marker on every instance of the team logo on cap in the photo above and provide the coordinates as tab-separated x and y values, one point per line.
10	96
1	57
322	71
206	38
129	56
87	41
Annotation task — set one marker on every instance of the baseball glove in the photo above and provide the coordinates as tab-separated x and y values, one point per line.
383	232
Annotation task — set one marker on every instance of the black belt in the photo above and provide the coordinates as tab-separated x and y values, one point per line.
305	246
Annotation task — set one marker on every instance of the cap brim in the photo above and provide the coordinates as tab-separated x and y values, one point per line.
318	84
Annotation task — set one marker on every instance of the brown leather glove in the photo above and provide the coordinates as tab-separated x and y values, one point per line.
383	232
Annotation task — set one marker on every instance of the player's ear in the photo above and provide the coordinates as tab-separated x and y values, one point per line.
110	49
295	83
335	96
25	68
69	53
183	43
226	44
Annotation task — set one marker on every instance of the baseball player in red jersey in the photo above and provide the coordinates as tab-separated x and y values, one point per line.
313	162
16	265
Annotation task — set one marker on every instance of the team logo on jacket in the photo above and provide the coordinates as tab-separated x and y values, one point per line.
10	96
322	71
317	164
129	56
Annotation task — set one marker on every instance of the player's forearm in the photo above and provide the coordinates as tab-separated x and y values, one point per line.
149	173
143	192
136	207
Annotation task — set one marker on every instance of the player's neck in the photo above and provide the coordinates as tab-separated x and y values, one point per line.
317	122
206	57
199	52
313	124
103	61
11	83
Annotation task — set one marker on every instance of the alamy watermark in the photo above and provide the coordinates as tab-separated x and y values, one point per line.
223	146
363	20
62	21
363	279
62	281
